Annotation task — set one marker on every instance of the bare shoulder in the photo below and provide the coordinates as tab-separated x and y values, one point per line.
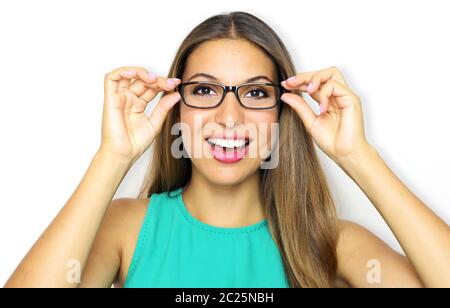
122	210
113	249
354	239
351	233
124	216
127	215
364	260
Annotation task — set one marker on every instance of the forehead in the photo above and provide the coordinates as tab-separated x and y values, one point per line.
230	61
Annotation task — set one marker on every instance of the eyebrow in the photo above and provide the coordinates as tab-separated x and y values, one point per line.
216	79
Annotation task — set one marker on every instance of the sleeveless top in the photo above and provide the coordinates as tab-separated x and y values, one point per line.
175	249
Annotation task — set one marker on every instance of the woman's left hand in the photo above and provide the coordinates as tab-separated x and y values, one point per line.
339	129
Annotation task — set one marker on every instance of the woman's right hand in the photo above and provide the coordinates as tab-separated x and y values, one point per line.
126	130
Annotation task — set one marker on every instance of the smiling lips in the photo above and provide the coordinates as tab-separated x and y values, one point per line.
228	150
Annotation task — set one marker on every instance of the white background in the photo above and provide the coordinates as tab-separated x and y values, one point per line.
54	55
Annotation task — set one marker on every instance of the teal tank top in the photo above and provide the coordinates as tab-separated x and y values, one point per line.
176	250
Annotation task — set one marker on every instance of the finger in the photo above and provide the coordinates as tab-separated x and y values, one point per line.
162	84
332	88
147	77
165	84
301	107
159	113
297	81
131	72
313	80
138	106
323	76
136	73
121	77
301	88
138	87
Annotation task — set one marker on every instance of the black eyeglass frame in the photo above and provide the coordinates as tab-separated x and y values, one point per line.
235	90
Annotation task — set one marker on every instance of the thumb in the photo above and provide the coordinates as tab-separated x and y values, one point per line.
301	107
162	108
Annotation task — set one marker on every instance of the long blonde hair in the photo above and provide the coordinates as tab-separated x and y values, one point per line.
298	205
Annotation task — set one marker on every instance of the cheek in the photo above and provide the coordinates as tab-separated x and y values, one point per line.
186	115
192	121
265	123
265	128
188	118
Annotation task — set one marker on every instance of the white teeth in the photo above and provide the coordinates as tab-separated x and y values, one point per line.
227	143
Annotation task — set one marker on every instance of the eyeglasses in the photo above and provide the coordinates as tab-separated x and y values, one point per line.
205	95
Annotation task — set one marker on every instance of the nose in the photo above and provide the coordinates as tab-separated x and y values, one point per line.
230	113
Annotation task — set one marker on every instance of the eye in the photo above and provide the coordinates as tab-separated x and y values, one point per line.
254	93
204	90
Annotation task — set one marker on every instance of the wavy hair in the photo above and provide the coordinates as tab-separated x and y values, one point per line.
297	202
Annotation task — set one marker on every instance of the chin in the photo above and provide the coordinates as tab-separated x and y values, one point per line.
227	174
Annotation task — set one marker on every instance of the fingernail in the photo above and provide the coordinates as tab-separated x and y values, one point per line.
173	81
310	87
152	76
283	98
291	78
320	107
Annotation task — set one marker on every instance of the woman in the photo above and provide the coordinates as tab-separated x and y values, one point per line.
222	219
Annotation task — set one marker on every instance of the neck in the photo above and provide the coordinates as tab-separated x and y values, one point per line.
227	206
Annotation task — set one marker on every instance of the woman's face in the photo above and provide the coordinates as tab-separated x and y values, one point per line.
231	62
